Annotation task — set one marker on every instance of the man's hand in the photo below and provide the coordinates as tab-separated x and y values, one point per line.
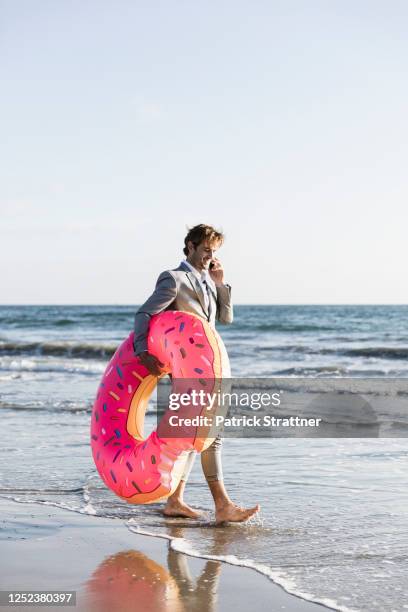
217	272
151	363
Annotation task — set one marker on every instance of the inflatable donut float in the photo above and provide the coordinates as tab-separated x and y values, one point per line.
140	470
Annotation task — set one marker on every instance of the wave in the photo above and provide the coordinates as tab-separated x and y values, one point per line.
61	406
280	327
105	350
385	352
32	367
64	322
330	371
59	349
382	352
21	319
38	406
55	490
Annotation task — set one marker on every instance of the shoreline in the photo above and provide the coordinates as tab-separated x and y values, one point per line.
111	567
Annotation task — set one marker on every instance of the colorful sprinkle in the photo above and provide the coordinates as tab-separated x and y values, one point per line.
153	458
105	407
116	397
200	345
204	358
117	455
136	375
191	340
113	476
120	386
96	416
169	330
129	467
117	432
119	371
136	487
110	440
198	370
202	381
183	352
182	325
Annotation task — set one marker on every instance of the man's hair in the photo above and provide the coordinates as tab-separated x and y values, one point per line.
200	233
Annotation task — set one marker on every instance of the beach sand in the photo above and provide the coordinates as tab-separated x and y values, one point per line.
112	569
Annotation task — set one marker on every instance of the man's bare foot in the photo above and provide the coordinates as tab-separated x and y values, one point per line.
234	514
180	508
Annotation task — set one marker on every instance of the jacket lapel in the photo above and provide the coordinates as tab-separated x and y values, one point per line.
196	285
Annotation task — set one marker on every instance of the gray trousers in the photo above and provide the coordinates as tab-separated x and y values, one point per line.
210	462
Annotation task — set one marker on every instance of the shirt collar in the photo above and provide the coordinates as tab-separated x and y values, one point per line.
202	276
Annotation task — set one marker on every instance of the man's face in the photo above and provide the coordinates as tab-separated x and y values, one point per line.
201	256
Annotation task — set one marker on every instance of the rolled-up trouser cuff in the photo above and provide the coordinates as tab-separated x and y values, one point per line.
189	464
211	461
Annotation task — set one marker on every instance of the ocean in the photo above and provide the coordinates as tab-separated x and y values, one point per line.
333	527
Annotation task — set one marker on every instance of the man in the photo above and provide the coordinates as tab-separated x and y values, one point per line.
196	287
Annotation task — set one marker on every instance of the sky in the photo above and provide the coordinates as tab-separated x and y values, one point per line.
282	123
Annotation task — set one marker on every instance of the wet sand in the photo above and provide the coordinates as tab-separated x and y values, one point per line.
114	570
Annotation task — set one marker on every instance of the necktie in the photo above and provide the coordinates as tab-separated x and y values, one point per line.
208	298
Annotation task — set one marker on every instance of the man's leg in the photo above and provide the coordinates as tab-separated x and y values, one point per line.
175	505
225	509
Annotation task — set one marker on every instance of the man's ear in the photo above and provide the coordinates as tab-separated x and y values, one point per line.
190	247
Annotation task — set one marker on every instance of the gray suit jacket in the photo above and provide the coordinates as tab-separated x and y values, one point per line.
179	289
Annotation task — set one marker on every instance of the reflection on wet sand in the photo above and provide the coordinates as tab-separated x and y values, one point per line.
129	581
